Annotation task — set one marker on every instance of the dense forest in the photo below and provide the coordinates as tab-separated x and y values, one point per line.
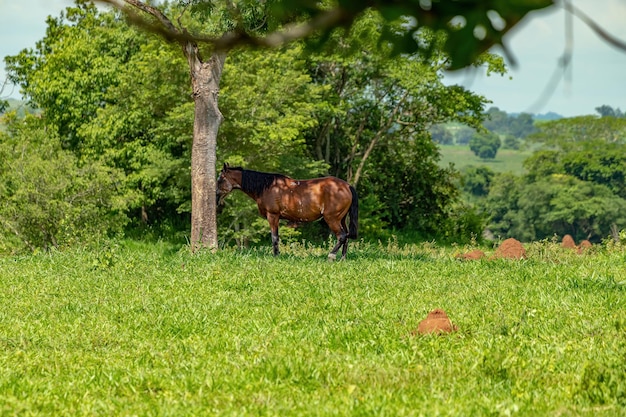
106	149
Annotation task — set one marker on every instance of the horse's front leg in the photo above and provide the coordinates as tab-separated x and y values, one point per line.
273	220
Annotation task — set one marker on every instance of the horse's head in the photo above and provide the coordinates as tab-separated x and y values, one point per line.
229	178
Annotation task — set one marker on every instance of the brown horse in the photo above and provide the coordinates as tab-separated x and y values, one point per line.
280	197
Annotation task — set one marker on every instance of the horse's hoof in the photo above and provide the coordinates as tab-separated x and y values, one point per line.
332	257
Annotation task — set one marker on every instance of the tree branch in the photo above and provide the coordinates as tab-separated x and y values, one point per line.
324	20
610	39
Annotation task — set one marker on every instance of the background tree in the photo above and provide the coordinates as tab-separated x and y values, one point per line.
485	145
499	122
376	133
564	133
605	111
477	180
441	135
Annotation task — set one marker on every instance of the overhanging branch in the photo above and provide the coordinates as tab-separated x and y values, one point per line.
323	21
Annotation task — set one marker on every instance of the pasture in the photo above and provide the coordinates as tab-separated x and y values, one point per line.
150	330
506	160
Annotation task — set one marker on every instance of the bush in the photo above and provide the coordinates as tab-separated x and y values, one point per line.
47	199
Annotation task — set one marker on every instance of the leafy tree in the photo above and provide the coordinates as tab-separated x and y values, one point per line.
543	163
574	184
477	180
83	76
47	198
605	111
485	145
464	134
381	110
441	135
518	126
502	206
68	71
496	120
589	148
511	142
521	125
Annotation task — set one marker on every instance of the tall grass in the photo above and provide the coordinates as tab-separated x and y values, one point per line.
150	330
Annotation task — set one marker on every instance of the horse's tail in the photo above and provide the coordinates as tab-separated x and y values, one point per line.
354	214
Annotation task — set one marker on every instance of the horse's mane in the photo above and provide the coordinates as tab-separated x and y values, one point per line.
255	182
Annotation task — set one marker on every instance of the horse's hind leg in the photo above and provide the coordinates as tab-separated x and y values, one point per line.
342	240
344	229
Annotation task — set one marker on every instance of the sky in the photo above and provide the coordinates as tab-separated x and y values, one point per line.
595	77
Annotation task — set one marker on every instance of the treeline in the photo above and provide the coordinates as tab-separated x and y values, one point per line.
574	183
108	152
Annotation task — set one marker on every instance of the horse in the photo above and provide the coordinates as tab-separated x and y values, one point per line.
281	197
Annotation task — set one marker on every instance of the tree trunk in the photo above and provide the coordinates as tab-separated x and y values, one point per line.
205	80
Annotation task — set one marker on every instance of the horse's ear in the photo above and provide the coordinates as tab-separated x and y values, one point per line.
226	166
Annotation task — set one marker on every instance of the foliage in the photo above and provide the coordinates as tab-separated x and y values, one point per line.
470	28
93	77
151	330
477	180
511	142
69	71
593	160
463	134
519	126
485	145
376	130
605	111
441	135
47	198
556	205
565	133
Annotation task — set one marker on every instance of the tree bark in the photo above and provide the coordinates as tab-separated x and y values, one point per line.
205	80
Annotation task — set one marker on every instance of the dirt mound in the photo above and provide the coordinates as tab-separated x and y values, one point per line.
568	242
474	255
584	246
436	322
510	249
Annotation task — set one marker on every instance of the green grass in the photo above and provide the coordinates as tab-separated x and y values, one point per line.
507	160
149	330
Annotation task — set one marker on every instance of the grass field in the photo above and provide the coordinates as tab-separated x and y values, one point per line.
150	330
507	160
